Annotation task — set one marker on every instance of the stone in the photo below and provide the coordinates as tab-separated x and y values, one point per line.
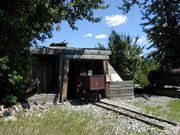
6	113
35	103
15	108
9	112
10	118
39	115
50	104
13	112
35	108
177	130
2	108
25	105
1	115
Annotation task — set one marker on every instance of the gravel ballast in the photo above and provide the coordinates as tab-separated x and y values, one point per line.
120	124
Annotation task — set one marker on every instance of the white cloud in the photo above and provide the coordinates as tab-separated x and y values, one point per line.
115	20
142	40
101	36
88	35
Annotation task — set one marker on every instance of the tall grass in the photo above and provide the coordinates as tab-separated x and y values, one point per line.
55	122
170	111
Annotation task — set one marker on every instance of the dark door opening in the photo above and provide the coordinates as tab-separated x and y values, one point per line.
78	68
46	72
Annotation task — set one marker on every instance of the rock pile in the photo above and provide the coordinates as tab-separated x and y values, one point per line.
9	113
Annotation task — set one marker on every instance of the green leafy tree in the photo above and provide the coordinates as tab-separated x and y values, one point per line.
126	55
141	75
100	46
23	23
162	25
127	59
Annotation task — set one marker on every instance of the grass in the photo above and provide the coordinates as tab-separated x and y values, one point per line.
55	122
170	111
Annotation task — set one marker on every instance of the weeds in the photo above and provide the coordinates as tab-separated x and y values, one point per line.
170	111
55	122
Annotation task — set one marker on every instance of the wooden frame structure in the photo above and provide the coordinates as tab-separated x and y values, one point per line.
64	55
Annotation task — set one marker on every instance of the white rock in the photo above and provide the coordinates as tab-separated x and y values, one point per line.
39	115
2	108
1	114
16	108
177	130
10	118
7	113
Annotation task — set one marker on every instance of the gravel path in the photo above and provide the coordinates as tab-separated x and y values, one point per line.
152	100
120	123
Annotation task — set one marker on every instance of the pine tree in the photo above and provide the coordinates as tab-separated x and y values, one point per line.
162	26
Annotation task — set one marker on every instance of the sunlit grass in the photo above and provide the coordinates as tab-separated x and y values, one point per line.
170	111
55	122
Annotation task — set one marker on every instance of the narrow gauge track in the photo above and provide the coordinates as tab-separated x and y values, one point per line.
148	119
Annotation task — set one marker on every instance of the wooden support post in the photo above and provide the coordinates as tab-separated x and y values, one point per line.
65	80
105	68
60	77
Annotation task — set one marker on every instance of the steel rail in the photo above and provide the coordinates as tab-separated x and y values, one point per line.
139	113
131	116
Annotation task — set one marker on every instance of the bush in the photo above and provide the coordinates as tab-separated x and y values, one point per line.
9	100
15	73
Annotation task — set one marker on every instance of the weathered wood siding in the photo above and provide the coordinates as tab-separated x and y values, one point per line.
123	89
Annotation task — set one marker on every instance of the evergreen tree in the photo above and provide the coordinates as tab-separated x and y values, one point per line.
162	25
126	55
128	60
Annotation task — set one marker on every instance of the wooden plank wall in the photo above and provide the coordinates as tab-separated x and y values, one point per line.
122	89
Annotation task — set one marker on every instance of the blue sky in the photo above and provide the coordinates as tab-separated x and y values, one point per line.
89	34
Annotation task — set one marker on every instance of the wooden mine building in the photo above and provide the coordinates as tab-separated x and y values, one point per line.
58	69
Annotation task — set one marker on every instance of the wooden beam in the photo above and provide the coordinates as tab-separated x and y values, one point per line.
60	76
83	56
97	52
105	68
68	50
65	81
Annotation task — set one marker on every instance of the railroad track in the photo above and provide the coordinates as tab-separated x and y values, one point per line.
147	119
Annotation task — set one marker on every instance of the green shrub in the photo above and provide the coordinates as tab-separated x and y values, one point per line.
15	72
9	100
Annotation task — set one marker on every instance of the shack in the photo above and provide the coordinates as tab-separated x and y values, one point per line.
58	69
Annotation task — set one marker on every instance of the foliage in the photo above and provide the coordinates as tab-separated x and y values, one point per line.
127	59
100	46
162	25
14	78
9	100
169	111
57	122
23	23
126	56
141	75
